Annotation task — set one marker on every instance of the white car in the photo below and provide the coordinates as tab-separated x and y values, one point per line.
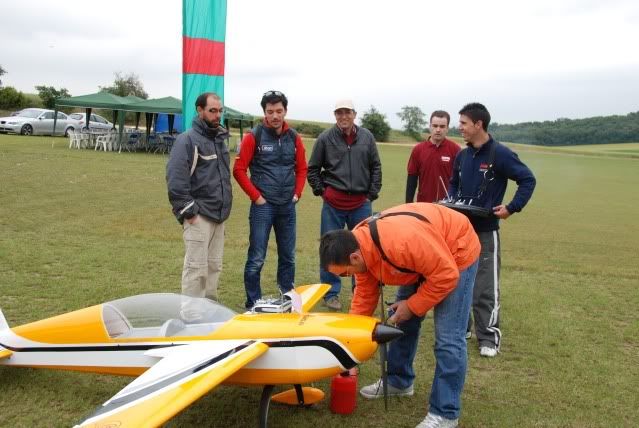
38	121
97	121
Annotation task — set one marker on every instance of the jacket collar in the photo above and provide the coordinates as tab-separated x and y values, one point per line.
483	147
266	126
201	127
340	132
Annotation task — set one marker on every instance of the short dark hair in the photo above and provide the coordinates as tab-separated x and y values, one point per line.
475	112
203	98
336	247
441	113
274	97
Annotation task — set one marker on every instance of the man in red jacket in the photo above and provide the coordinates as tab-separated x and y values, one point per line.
275	155
432	253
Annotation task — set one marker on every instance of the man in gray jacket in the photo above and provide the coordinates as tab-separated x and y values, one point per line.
198	178
346	171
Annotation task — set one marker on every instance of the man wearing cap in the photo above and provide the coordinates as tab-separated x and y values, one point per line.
275	155
346	172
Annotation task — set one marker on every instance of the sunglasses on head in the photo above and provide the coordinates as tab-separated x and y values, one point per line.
271	93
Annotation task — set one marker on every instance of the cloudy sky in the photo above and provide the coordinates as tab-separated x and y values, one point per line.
535	60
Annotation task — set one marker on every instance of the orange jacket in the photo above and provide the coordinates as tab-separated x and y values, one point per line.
437	251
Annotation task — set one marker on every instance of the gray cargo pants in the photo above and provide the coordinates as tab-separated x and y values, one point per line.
204	242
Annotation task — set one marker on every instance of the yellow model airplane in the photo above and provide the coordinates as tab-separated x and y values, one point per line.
181	347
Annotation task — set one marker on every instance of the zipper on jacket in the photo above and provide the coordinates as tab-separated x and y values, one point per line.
350	169
219	170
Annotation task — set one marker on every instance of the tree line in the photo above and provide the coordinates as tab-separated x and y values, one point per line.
568	132
10	98
560	132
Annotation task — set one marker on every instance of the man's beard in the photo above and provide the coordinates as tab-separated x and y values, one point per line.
211	124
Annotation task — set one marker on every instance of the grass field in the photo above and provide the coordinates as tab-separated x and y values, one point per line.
81	227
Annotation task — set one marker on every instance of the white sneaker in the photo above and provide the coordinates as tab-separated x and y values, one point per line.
376	390
487	351
469	335
435	421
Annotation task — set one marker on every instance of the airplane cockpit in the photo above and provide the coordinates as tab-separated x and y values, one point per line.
163	315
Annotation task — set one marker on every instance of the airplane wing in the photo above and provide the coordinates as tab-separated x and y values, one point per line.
4	353
184	374
311	294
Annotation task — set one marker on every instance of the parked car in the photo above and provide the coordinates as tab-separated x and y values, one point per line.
97	122
38	121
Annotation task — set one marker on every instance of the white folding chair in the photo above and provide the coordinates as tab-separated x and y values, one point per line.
71	135
101	142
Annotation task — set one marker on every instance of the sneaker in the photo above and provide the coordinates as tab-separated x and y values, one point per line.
376	390
435	421
488	351
333	303
469	334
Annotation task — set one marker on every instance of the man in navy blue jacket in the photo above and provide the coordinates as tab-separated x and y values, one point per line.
480	174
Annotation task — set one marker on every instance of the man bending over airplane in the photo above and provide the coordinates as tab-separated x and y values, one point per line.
432	253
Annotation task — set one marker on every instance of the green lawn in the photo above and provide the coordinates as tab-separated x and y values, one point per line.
81	227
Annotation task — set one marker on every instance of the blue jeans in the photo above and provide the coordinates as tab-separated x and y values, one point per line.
451	319
334	219
261	219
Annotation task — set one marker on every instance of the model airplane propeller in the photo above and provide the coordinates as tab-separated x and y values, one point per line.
181	348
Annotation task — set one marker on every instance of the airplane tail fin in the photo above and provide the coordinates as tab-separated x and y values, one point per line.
311	294
3	322
4	353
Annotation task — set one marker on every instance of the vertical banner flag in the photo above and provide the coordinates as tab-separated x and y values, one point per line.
203	34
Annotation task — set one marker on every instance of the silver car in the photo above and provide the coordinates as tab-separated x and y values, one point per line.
97	121
37	121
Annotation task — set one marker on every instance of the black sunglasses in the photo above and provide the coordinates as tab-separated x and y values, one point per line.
271	93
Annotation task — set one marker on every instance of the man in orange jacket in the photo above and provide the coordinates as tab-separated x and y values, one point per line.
432	253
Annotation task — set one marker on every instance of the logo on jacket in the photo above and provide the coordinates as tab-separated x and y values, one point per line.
268	148
445	158
483	167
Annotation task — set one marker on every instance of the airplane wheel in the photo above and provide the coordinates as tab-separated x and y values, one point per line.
265	401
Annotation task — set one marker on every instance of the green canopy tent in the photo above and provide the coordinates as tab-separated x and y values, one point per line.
152	107
104	100
243	118
135	99
172	106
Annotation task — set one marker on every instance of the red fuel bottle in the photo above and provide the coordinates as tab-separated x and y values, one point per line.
344	392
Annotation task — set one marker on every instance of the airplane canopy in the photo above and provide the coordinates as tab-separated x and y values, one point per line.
163	314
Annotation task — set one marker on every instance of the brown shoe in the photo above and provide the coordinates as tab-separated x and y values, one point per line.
333	303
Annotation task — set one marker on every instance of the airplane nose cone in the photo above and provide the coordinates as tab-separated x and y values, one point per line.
385	333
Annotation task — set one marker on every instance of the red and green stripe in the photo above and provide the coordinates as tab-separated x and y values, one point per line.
203	36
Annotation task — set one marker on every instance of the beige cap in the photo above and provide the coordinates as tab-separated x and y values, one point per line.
344	104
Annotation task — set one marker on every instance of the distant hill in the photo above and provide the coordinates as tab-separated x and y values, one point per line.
313	129
559	132
569	132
